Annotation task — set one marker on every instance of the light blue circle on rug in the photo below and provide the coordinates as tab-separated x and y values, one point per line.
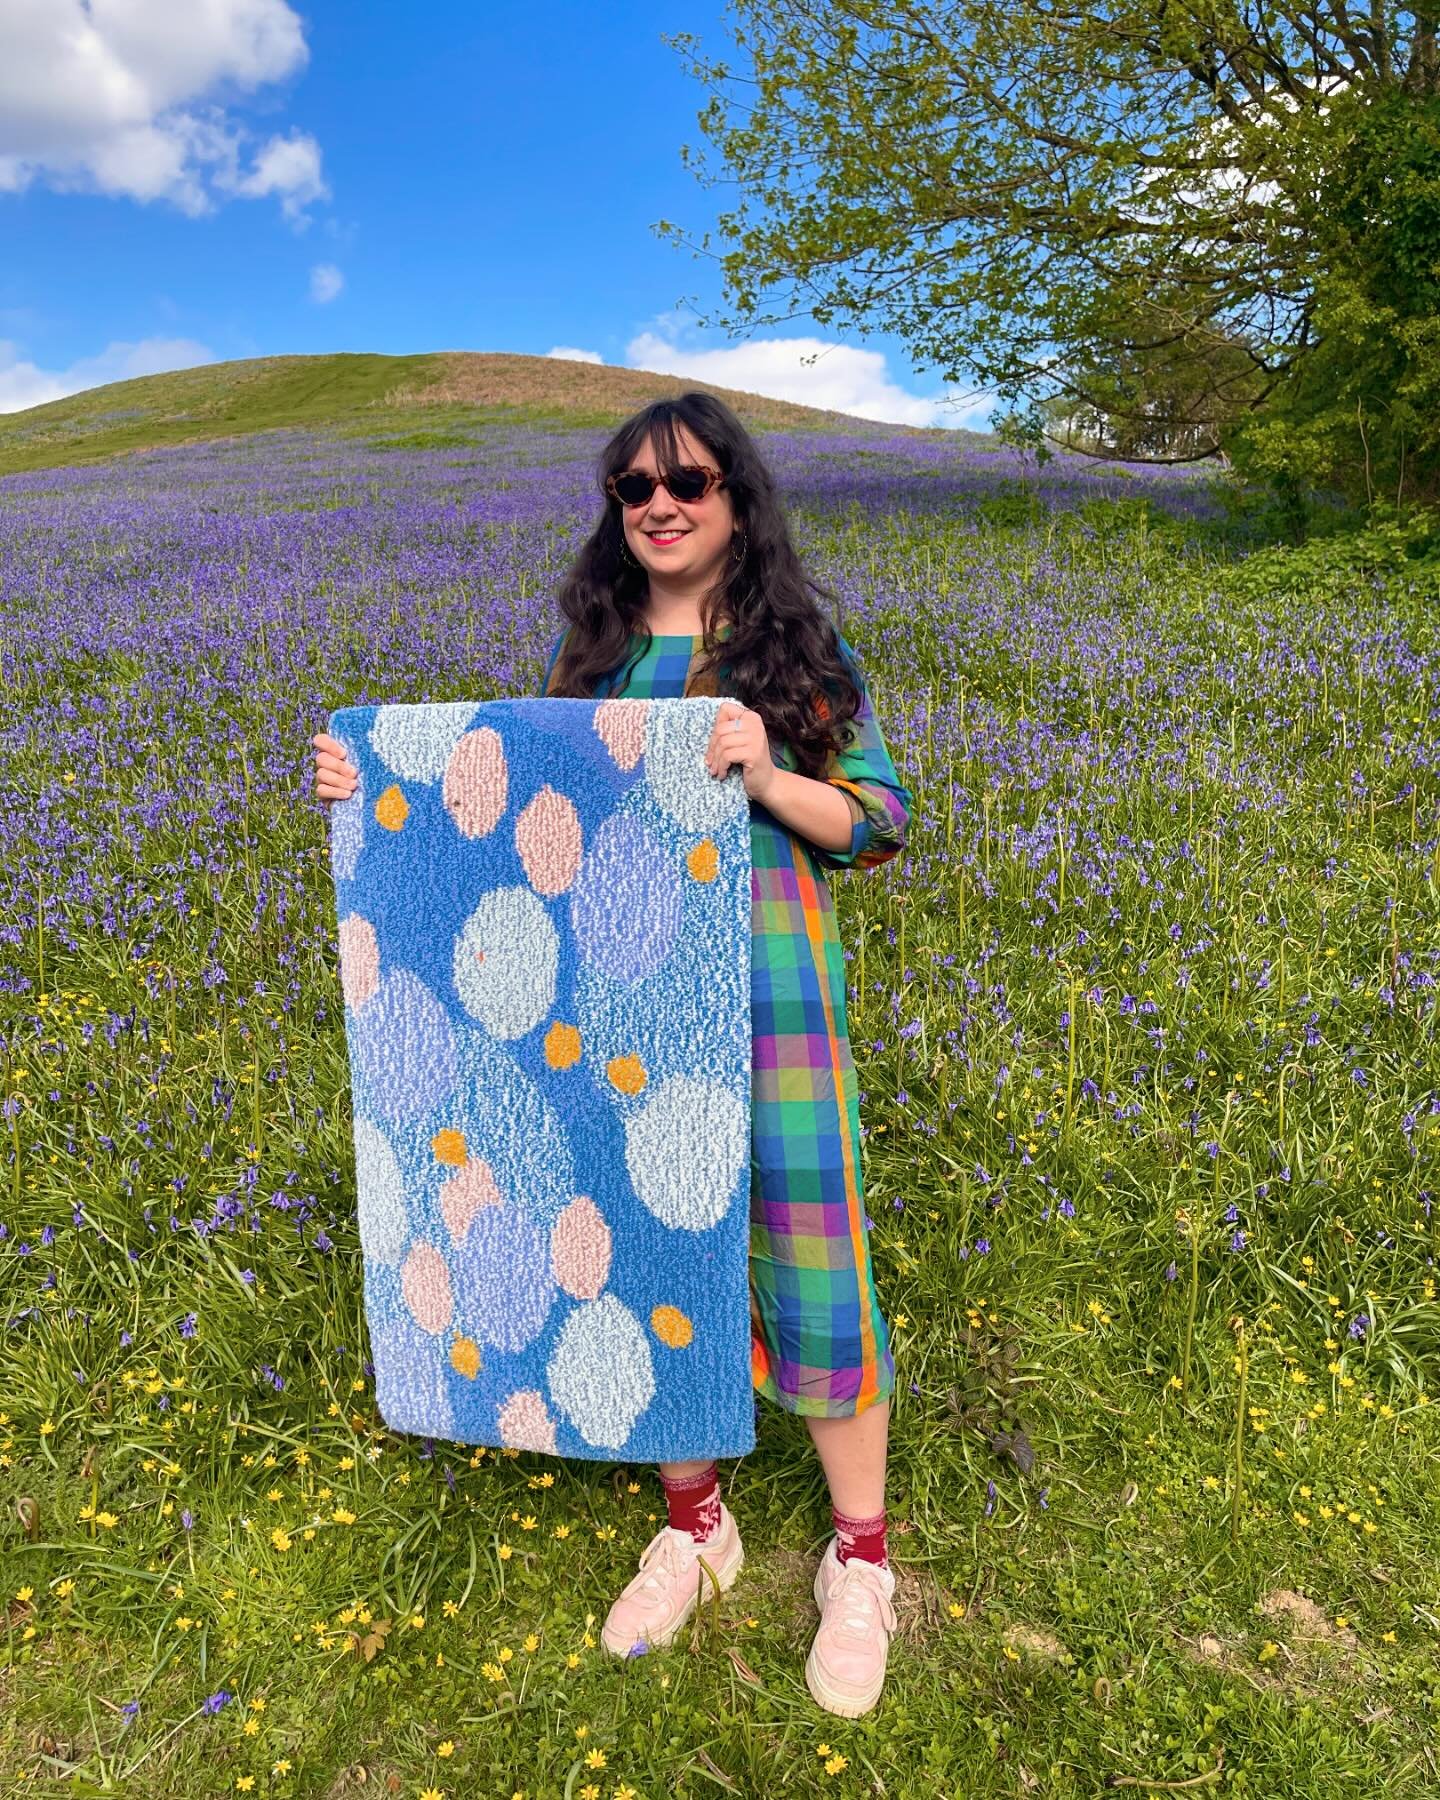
503	1286
404	1047
625	909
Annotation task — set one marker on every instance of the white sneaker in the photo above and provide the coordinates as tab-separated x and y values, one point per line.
658	1600
845	1669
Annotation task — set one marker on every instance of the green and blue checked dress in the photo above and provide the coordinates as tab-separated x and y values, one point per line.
818	1344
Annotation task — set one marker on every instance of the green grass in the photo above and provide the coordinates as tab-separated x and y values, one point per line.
192	405
1218	1573
349	394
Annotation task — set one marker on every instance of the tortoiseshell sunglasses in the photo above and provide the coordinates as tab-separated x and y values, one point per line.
690	482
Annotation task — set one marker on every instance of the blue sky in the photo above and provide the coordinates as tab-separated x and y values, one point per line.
193	180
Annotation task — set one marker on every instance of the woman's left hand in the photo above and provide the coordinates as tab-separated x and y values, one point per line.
739	737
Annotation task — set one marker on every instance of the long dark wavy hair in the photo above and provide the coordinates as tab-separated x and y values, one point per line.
782	655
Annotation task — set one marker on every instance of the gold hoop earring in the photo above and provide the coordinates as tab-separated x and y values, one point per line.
625	555
744	546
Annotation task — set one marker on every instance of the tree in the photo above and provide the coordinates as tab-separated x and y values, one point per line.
1181	223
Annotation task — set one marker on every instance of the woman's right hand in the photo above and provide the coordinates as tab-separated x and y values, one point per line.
335	778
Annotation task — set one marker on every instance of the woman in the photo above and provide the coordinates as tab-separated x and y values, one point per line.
689	584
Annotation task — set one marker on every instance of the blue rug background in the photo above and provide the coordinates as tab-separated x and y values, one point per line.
423	1063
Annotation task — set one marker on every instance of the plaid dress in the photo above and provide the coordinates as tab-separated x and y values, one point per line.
818	1341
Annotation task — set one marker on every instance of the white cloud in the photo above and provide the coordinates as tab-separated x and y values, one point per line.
23	384
326	282
119	97
567	354
290	167
812	372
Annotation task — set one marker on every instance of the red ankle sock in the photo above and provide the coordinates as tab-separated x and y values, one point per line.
694	1502
864	1538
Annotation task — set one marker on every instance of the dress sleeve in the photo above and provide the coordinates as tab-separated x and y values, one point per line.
880	803
545	678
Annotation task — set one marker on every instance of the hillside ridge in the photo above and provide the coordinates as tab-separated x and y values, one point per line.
366	392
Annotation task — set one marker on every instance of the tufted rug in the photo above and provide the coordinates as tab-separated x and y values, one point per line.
543	910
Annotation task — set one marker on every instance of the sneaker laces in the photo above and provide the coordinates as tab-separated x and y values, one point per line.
666	1555
855	1595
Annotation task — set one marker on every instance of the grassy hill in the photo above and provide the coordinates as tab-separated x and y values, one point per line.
361	393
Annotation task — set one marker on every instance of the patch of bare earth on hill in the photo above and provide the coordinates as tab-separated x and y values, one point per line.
497	378
1035	1643
1312	1652
364	1778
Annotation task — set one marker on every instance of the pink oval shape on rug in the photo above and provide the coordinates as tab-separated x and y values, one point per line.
477	782
425	1282
580	1249
548	842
